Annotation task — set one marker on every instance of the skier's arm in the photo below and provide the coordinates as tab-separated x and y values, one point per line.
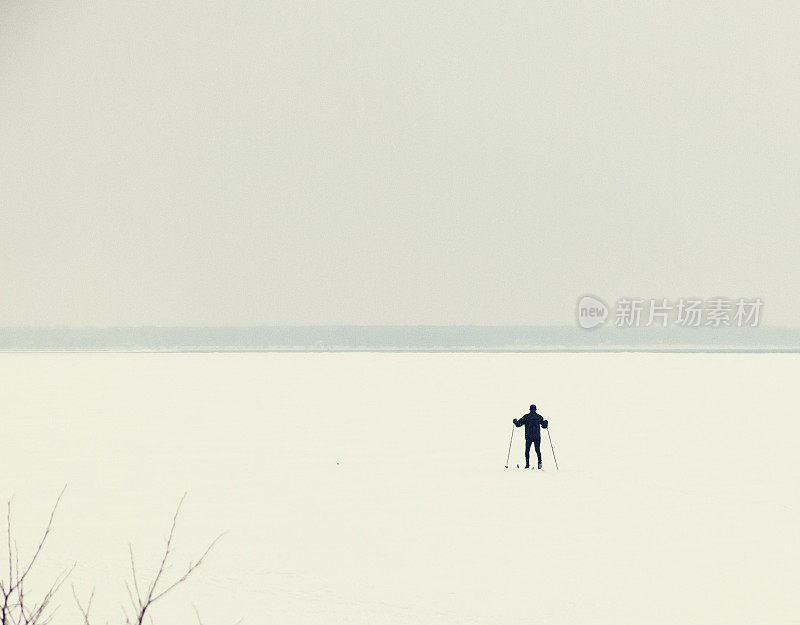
544	423
521	421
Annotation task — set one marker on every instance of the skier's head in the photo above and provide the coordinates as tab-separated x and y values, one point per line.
533	407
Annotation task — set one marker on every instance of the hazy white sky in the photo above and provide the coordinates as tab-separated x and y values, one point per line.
180	163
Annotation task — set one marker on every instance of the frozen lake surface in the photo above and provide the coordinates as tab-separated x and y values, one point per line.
370	488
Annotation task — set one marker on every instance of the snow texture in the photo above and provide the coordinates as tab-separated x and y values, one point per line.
371	488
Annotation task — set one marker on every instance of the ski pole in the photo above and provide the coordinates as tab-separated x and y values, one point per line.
509	445
551	448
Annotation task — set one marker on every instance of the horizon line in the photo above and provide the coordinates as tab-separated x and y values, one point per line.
399	338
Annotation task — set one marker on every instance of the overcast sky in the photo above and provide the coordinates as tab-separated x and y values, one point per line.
230	163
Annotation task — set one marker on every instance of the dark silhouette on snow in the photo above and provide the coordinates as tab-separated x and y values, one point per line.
532	422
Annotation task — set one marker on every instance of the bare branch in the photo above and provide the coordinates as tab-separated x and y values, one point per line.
162	567
84	611
154	593
17	609
133	574
190	569
8	535
136	605
40	546
38	615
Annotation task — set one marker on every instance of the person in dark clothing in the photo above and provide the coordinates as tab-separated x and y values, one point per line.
532	422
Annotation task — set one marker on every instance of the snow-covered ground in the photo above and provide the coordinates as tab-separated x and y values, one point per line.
370	488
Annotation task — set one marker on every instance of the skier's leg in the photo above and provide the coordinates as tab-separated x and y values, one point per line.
527	453
536	443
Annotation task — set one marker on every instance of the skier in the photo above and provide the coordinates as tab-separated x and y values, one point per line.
532	421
